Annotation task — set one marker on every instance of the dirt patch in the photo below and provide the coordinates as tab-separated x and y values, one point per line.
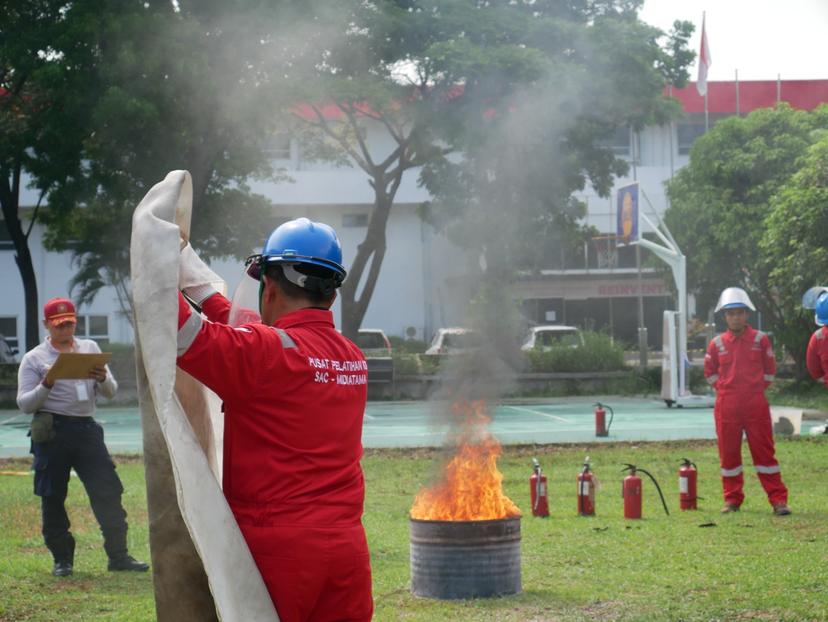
604	610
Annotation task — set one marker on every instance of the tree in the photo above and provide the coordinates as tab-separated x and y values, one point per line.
794	243
451	76
41	123
721	203
179	88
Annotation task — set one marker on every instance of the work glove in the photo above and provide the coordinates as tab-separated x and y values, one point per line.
195	279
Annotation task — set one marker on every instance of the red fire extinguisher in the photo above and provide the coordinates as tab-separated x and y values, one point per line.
538	491
601	426
632	492
688	474
586	491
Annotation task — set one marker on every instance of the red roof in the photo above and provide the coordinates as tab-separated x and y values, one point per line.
753	94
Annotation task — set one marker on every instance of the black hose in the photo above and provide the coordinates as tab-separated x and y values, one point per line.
612	416
658	488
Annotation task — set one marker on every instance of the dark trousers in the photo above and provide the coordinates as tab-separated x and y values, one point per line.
78	444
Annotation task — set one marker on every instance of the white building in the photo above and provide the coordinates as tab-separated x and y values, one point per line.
415	288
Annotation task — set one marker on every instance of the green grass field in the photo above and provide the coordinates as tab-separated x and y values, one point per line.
688	566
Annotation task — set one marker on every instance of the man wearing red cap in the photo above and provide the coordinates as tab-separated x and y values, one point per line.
65	436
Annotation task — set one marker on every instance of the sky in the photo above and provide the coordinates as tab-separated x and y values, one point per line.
759	38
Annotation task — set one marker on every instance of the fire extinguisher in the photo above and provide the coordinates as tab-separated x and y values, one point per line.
601	427
538	491
633	494
688	475
586	491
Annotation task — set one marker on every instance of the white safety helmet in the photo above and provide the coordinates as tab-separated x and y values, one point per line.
734	298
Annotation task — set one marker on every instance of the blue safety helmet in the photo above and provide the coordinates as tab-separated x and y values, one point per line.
821	309
302	242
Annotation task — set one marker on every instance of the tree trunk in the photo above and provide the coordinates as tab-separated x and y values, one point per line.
370	254
10	203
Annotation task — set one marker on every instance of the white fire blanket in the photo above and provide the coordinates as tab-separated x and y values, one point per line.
182	432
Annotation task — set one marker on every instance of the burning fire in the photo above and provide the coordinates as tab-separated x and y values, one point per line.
471	487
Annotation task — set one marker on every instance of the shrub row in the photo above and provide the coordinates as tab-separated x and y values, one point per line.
598	353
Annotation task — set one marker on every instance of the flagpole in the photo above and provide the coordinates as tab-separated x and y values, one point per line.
778	88
706	116
703	66
737	92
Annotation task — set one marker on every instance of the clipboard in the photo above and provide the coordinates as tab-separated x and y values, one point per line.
76	365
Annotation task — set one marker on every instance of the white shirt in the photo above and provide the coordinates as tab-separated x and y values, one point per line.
75	398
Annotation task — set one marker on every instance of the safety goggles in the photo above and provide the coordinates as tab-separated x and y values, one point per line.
253	266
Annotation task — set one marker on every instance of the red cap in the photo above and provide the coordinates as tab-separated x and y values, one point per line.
59	310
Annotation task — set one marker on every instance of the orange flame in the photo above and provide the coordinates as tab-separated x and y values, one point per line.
471	487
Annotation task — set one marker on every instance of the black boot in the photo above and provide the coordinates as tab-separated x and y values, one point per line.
63	552
115	545
126	562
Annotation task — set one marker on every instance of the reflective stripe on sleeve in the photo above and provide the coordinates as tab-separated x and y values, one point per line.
758	337
732	472
287	340
769	377
712	379
768	470
719	344
820	334
188	332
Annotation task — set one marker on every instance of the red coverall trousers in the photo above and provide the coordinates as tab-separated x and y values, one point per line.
735	414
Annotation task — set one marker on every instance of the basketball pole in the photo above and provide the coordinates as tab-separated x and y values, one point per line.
671	254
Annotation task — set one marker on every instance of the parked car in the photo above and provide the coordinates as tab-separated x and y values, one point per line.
454	341
545	336
373	342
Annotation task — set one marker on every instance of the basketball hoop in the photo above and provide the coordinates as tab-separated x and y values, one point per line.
606	250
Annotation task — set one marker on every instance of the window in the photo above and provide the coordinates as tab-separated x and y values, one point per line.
355	220
93	327
619	142
686	135
6	243
8	339
278	146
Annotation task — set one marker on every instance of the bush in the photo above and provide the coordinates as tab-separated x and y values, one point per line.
406	364
409	346
598	353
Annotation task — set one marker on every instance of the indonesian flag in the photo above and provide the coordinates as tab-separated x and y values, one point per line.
705	60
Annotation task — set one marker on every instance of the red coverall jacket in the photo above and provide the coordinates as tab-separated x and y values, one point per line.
817	356
294	398
740	369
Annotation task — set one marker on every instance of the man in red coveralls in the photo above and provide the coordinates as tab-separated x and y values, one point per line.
294	393
740	365
817	355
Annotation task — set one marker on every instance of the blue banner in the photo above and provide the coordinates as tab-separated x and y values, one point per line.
627	214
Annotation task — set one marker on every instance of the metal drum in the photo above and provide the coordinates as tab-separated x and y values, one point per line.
465	559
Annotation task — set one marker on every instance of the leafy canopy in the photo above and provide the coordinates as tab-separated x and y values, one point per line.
735	213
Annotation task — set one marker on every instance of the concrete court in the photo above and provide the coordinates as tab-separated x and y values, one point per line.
409	424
